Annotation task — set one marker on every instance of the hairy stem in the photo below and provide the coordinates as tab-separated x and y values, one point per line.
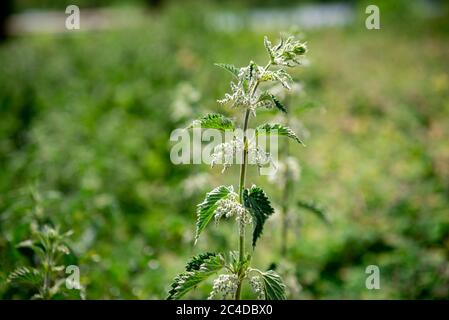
285	198
241	188
242	184
284	207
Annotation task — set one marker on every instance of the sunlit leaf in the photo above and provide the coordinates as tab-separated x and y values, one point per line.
279	129
206	209
213	121
198	269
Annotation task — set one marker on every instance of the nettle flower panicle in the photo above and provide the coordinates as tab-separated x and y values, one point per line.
258	156
230	207
258	287
241	95
226	207
224	286
287	52
226	152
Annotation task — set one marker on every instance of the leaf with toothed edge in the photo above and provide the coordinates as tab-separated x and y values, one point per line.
278	104
205	210
274	288
198	269
230	68
213	121
279	129
257	203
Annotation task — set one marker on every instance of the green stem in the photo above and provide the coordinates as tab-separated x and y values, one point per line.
284	208
242	186
285	198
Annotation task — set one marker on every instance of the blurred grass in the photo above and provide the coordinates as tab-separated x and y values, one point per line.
85	119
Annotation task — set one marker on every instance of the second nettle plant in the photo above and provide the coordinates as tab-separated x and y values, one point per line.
249	91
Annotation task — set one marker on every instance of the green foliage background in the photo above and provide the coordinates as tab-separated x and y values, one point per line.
85	120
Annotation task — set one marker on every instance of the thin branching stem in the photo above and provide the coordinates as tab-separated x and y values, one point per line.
242	183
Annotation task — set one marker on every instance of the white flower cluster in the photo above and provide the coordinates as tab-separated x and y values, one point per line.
244	91
240	91
224	153
224	286
258	288
258	156
227	207
243	217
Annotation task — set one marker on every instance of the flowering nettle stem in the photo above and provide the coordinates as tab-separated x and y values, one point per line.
253	206
241	188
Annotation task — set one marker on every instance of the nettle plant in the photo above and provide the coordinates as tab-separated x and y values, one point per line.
250	91
48	277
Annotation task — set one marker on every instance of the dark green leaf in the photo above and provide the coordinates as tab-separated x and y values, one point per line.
259	207
278	104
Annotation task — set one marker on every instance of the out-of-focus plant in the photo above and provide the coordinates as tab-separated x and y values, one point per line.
247	205
48	277
288	176
47	247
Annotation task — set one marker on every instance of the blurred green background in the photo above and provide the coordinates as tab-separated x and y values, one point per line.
86	116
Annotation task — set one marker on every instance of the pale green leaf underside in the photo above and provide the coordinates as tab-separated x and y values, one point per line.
26	275
198	269
279	129
257	203
213	121
273	286
205	210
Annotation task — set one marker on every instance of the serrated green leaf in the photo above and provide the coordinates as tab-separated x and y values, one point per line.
230	68
278	104
26	275
279	129
205	210
198	269
257	203
273	286
314	208
213	121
